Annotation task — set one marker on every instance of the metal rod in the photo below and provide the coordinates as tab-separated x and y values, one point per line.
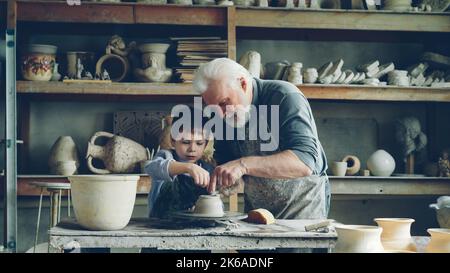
59	206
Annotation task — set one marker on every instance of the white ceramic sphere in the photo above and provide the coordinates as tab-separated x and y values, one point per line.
381	163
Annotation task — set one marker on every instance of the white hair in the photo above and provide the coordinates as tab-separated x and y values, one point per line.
219	69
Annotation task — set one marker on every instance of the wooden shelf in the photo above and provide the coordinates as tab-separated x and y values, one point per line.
121	13
343	19
178	90
358	185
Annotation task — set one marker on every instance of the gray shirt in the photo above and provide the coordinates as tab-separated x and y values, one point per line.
297	128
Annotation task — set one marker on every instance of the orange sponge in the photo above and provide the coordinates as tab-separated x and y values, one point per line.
260	216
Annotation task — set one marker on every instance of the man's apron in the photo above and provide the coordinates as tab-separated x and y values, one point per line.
300	198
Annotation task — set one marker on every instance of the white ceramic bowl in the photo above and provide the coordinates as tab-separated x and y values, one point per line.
209	206
103	202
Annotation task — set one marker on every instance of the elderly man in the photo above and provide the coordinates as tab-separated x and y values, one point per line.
290	181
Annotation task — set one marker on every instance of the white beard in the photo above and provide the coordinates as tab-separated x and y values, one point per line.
239	117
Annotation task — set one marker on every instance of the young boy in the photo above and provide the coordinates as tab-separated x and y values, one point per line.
179	176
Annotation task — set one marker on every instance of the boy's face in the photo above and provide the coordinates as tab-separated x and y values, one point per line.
191	146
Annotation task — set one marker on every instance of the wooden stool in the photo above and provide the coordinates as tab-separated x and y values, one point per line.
55	190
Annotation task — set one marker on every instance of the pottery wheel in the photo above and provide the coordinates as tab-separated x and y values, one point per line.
229	215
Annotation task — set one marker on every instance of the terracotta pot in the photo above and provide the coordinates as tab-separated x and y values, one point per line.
440	240
103	202
120	154
209	205
63	150
358	239
396	235
381	163
38	62
353	164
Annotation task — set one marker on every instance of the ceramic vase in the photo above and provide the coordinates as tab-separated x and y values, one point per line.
153	63
209	206
381	163
396	235
63	150
38	62
66	168
119	154
440	240
353	164
103	202
56	76
442	214
358	239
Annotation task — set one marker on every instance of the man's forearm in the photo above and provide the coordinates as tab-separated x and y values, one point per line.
283	165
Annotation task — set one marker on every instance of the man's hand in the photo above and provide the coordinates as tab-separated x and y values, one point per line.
227	174
200	175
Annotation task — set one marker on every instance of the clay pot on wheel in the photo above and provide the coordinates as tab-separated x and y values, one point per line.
120	154
396	235
209	206
103	202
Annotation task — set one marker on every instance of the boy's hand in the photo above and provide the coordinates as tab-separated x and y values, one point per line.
200	175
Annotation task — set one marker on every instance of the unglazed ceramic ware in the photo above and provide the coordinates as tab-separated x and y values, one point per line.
396	233
153	63
381	163
119	154
66	168
358	239
442	208
339	168
209	205
440	240
63	150
353	164
75	59
103	202
38	62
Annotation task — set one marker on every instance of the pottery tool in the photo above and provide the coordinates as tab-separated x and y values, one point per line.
320	227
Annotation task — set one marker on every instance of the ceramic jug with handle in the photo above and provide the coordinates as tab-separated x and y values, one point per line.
120	154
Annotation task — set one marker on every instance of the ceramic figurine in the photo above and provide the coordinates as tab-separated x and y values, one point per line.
444	164
78	59
153	63
409	136
251	60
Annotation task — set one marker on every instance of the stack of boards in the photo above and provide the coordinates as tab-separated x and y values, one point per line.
194	51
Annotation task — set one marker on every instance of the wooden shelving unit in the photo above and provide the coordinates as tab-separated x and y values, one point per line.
353	186
171	90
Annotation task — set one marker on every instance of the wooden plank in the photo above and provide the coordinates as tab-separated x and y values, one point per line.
231	32
44	11
311	91
180	15
374	93
12	14
148	89
344	19
409	186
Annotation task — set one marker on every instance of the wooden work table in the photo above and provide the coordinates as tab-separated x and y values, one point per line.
149	233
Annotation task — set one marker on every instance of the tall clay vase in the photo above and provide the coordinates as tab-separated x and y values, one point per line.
440	240
64	149
119	155
396	233
358	239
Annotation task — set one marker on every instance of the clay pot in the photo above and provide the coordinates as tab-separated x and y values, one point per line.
353	164
209	206
440	240
63	150
396	234
38	62
86	59
310	75
339	168
294	75
66	168
103	202
120	154
442	214
381	163
153	63
358	239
